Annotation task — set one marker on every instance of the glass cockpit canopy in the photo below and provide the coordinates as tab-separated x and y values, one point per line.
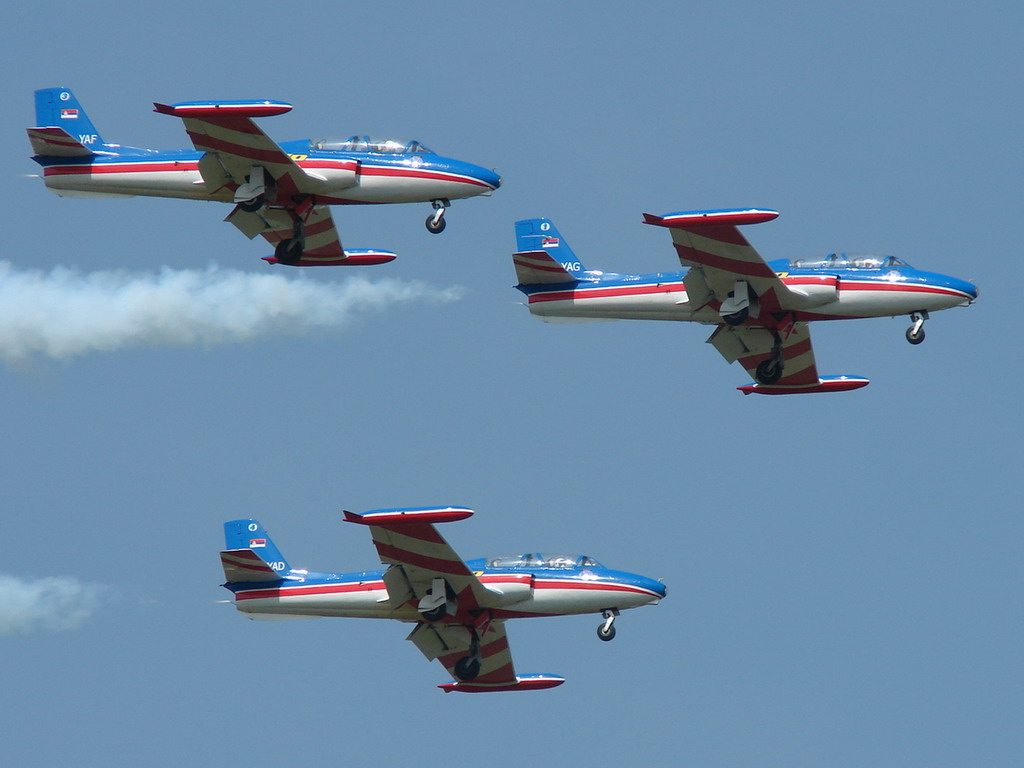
371	144
543	560
848	261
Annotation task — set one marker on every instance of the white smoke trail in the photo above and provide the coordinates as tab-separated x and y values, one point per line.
63	313
52	603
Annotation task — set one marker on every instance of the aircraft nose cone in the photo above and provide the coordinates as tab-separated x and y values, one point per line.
491	178
656	586
965	287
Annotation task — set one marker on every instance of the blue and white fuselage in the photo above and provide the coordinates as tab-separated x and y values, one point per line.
761	308
529	585
838	287
281	192
459	607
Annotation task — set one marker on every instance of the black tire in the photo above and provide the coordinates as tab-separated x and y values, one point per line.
289	251
915	338
768	371
437	228
606	634
737	318
253	205
467	668
434	614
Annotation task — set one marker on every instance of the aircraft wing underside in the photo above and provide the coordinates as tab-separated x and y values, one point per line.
752	345
233	145
322	242
719	256
450	642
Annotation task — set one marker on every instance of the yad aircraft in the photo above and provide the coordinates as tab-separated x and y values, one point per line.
280	191
459	607
761	308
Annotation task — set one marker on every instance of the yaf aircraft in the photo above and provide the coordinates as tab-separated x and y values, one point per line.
279	191
761	308
459	608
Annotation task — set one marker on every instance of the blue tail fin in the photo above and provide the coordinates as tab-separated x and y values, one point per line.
250	535
58	108
541	235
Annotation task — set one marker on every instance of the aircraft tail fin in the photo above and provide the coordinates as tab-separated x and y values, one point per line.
250	555
62	128
543	254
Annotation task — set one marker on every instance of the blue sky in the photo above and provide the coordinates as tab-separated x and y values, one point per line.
844	571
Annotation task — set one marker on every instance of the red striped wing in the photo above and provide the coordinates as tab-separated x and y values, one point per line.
750	346
496	666
423	555
719	255
239	144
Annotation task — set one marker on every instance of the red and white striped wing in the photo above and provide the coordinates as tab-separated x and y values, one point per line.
239	143
424	555
751	346
719	255
450	642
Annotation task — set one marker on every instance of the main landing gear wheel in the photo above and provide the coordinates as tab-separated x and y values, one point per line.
768	371
467	668
289	251
915	337
606	631
434	614
252	205
737	318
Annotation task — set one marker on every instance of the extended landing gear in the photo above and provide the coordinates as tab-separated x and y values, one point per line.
438	602
606	631
289	251
253	204
770	371
468	667
915	333
435	221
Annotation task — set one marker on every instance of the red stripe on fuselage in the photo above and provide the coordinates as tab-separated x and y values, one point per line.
313	589
603	293
144	166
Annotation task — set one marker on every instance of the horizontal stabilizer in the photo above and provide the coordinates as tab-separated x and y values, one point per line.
244	565
56	142
522	683
540	268
825	384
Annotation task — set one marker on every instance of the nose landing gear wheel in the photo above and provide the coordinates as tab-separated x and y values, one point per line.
436	222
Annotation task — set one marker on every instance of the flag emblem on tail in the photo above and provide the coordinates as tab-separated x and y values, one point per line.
256	543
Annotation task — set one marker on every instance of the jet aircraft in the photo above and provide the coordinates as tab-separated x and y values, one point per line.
761	308
459	607
279	191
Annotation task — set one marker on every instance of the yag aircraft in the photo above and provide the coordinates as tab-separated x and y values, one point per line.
279	191
761	308
459	607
